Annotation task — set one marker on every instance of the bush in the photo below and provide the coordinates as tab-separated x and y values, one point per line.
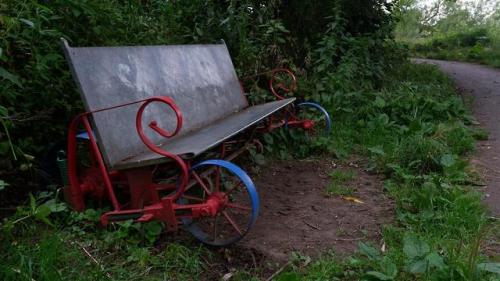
477	45
39	97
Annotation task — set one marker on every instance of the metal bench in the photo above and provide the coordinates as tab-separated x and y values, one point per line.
152	113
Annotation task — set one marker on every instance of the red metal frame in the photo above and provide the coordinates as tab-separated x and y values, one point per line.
291	120
287	89
145	203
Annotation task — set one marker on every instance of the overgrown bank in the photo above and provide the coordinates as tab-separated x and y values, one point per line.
38	96
407	120
479	45
414	130
451	30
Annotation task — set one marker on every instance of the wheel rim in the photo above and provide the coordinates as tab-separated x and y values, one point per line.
283	83
317	114
234	221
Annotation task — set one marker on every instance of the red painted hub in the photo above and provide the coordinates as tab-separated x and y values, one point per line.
215	203
307	124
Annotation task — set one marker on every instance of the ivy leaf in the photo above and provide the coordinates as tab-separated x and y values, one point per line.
435	260
55	206
379	102
153	229
42	213
379	276
3	185
389	267
27	22
418	267
4	74
447	160
489	267
289	276
377	150
260	159
369	251
414	247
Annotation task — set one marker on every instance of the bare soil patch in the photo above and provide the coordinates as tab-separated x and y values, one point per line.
298	215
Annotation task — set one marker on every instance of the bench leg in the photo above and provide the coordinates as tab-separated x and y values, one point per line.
142	189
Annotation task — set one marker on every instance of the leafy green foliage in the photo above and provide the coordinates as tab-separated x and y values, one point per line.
451	30
415	130
45	241
39	97
405	119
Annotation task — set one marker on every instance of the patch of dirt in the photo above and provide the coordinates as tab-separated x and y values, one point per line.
296	213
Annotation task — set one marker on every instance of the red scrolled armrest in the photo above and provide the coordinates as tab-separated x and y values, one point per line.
153	147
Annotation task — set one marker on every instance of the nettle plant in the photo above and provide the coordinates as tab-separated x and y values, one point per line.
424	262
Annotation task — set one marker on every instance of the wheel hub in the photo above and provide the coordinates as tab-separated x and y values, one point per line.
308	124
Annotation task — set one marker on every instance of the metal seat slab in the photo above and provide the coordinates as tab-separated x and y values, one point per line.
196	142
200	79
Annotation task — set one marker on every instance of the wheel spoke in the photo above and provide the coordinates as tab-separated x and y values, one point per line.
231	221
214	238
235	187
202	184
194	198
217	179
238	206
282	87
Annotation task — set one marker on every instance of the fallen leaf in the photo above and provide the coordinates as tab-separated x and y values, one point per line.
353	199
227	276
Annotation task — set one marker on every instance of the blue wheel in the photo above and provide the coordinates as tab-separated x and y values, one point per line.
236	217
313	119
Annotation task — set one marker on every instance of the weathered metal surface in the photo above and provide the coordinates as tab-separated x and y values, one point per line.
194	143
199	78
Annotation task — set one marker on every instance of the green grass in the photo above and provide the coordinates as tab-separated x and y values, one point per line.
488	56
340	176
80	251
417	133
415	130
339	184
466	46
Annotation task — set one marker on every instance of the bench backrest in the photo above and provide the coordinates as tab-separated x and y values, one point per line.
199	78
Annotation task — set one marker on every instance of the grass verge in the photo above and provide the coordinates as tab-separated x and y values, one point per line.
414	130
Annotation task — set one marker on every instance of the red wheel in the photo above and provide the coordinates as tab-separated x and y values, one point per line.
283	83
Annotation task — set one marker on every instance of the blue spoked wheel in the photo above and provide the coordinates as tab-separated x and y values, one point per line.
322	123
234	221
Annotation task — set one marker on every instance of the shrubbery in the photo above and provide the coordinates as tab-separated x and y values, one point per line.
405	119
461	31
38	96
476	45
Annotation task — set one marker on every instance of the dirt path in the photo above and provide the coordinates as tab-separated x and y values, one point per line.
297	214
483	84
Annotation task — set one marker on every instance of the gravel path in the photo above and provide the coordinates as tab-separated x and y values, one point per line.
483	84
